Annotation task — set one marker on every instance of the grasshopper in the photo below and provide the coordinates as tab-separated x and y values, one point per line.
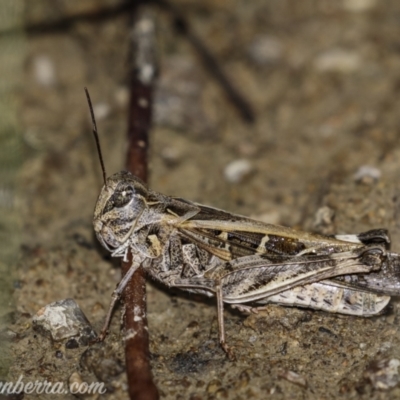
240	261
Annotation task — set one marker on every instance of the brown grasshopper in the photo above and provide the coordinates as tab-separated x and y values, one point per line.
240	261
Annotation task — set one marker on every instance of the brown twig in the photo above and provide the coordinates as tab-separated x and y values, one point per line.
140	381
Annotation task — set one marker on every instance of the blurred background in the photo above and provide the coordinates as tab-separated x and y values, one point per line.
310	140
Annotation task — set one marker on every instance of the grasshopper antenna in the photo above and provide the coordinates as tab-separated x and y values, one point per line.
96	135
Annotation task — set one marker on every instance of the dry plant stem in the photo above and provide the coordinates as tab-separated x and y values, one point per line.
140	381
210	63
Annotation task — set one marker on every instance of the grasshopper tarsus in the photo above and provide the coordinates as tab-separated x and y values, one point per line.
228	351
100	338
103	334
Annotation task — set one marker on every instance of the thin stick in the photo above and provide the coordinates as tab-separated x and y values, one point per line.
96	135
140	381
210	62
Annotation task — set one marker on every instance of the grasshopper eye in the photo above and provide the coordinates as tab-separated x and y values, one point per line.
123	196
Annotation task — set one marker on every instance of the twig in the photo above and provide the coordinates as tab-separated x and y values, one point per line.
210	62
140	382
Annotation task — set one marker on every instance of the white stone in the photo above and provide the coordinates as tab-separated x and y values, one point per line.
358	5
366	173
44	70
121	96
101	111
265	50
338	60
236	170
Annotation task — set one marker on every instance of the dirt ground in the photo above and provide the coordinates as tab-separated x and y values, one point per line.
323	78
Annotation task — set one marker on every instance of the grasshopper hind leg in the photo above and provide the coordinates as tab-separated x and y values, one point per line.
332	297
200	285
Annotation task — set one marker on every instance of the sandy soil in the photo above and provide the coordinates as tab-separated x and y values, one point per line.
323	78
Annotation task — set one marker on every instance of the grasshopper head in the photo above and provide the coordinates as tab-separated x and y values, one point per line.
121	202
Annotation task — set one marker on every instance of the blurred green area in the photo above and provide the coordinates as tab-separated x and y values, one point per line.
12	54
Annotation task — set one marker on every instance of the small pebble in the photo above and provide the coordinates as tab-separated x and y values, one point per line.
294	377
121	96
385	346
8	334
171	155
63	320
338	60
237	170
44	71
252	339
265	50
59	354
383	373
367	174
101	111
323	220
357	6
